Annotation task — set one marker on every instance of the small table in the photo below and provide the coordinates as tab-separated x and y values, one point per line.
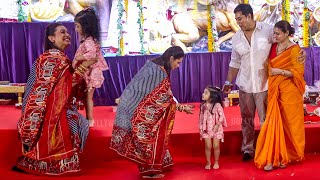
13	89
231	96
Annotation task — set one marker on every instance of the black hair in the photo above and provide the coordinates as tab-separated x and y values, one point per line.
50	30
89	22
245	9
164	60
214	98
285	26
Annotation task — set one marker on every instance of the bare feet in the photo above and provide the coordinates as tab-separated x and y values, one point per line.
216	165
91	123
153	176
208	166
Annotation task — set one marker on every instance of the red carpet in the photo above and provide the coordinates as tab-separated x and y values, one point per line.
98	162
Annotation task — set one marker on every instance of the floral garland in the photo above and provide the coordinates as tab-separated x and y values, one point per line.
141	28
120	27
121	23
212	29
125	34
126	7
298	36
286	10
305	25
291	13
209	30
22	16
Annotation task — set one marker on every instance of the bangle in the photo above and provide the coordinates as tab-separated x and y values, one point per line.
83	67
282	73
227	82
180	108
81	70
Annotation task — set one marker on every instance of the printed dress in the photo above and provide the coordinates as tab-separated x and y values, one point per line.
209	118
90	49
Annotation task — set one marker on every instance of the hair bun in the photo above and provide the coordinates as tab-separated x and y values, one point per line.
291	30
89	10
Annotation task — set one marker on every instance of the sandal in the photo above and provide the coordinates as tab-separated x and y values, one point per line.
282	166
268	167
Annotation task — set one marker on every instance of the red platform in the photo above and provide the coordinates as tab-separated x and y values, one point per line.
99	162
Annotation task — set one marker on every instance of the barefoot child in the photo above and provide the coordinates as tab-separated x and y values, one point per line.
86	23
211	123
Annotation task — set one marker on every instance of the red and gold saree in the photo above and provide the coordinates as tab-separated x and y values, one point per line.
145	119
51	130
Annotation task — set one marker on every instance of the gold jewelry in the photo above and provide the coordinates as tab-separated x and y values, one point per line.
83	67
78	72
280	51
180	108
81	70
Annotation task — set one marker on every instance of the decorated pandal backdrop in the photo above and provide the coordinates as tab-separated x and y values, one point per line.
130	27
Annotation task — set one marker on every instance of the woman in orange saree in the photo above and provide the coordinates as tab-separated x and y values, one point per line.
282	136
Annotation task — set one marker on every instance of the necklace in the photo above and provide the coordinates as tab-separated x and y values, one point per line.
284	48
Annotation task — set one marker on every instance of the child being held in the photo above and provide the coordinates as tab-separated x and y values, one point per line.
87	25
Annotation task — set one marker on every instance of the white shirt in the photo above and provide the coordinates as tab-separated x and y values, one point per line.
252	76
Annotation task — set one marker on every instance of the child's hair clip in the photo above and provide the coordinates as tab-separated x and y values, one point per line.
217	88
214	88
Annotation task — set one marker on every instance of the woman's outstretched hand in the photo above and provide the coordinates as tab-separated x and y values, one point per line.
188	108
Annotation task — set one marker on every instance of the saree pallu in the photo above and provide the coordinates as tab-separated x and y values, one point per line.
282	136
51	130
144	120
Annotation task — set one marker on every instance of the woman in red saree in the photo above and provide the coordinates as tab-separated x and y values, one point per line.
51	130
145	115
282	136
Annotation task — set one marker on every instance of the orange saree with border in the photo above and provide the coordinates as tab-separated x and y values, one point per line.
282	136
